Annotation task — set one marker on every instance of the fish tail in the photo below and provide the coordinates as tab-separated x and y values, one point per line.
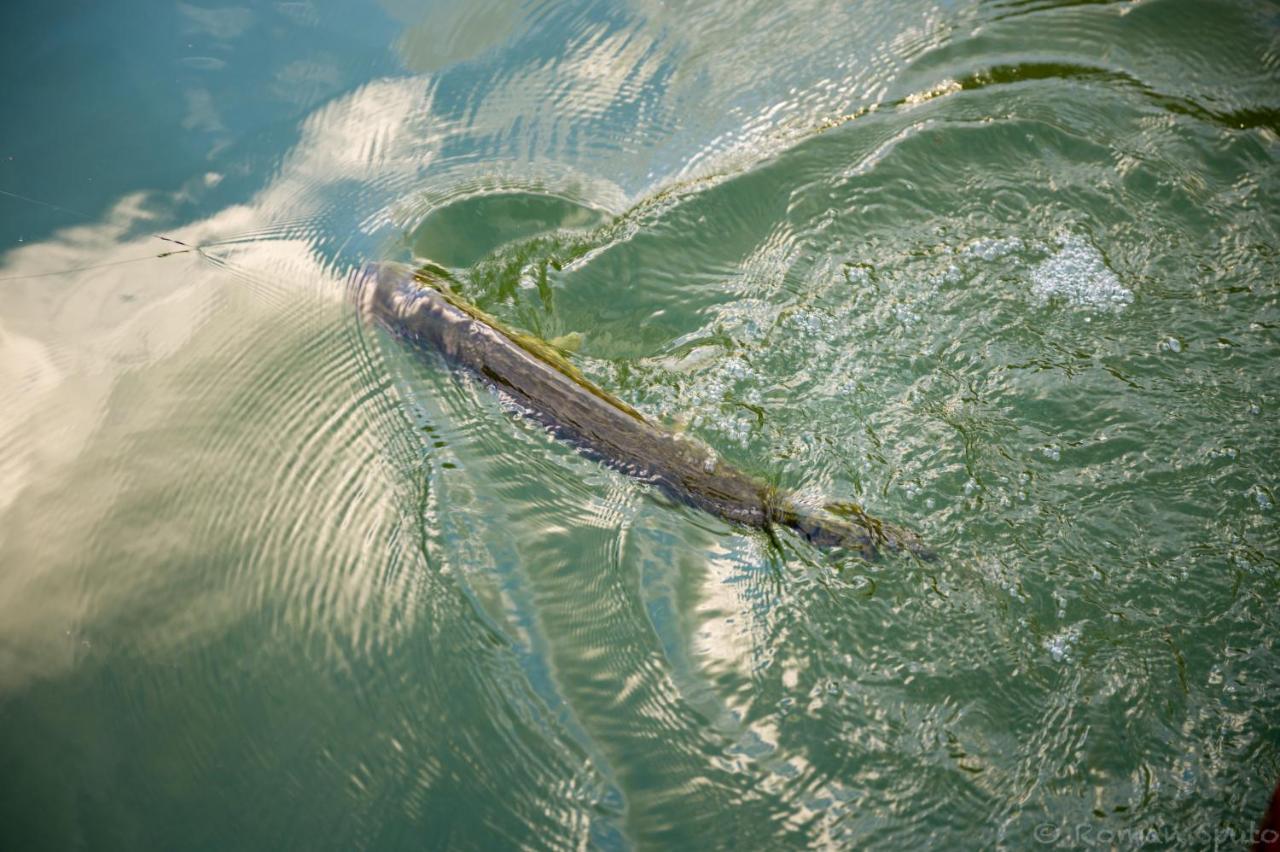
848	527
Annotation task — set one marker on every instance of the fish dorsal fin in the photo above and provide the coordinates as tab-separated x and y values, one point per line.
568	343
885	533
440	280
854	512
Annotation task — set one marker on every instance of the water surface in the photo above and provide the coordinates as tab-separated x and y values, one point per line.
1005	272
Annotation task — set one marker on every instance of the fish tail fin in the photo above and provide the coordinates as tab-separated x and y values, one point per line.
848	526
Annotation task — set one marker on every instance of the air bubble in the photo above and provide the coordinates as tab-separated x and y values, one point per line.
1059	646
990	248
857	275
1078	274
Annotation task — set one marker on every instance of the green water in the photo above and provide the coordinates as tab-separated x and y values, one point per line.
1005	273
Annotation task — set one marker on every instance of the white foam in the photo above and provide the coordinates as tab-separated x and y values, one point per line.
992	248
1078	274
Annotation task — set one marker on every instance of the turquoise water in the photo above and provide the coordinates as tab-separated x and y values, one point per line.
1002	272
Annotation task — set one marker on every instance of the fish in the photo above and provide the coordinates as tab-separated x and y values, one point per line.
421	306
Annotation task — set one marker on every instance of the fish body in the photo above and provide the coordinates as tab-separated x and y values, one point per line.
420	307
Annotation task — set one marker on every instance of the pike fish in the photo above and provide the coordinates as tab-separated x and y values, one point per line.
421	307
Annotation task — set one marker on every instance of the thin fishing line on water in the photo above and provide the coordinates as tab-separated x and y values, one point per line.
257	283
187	247
87	217
244	236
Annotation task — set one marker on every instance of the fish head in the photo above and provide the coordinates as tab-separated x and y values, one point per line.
376	285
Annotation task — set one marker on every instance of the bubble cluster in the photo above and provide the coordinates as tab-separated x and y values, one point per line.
993	248
1060	644
1078	274
1261	497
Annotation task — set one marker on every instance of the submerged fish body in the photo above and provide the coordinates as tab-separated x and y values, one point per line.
419	306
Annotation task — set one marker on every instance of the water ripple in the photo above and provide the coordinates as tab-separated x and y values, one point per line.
1003	271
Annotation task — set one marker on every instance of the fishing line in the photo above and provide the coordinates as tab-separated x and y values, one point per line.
186	247
233	239
257	284
89	218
